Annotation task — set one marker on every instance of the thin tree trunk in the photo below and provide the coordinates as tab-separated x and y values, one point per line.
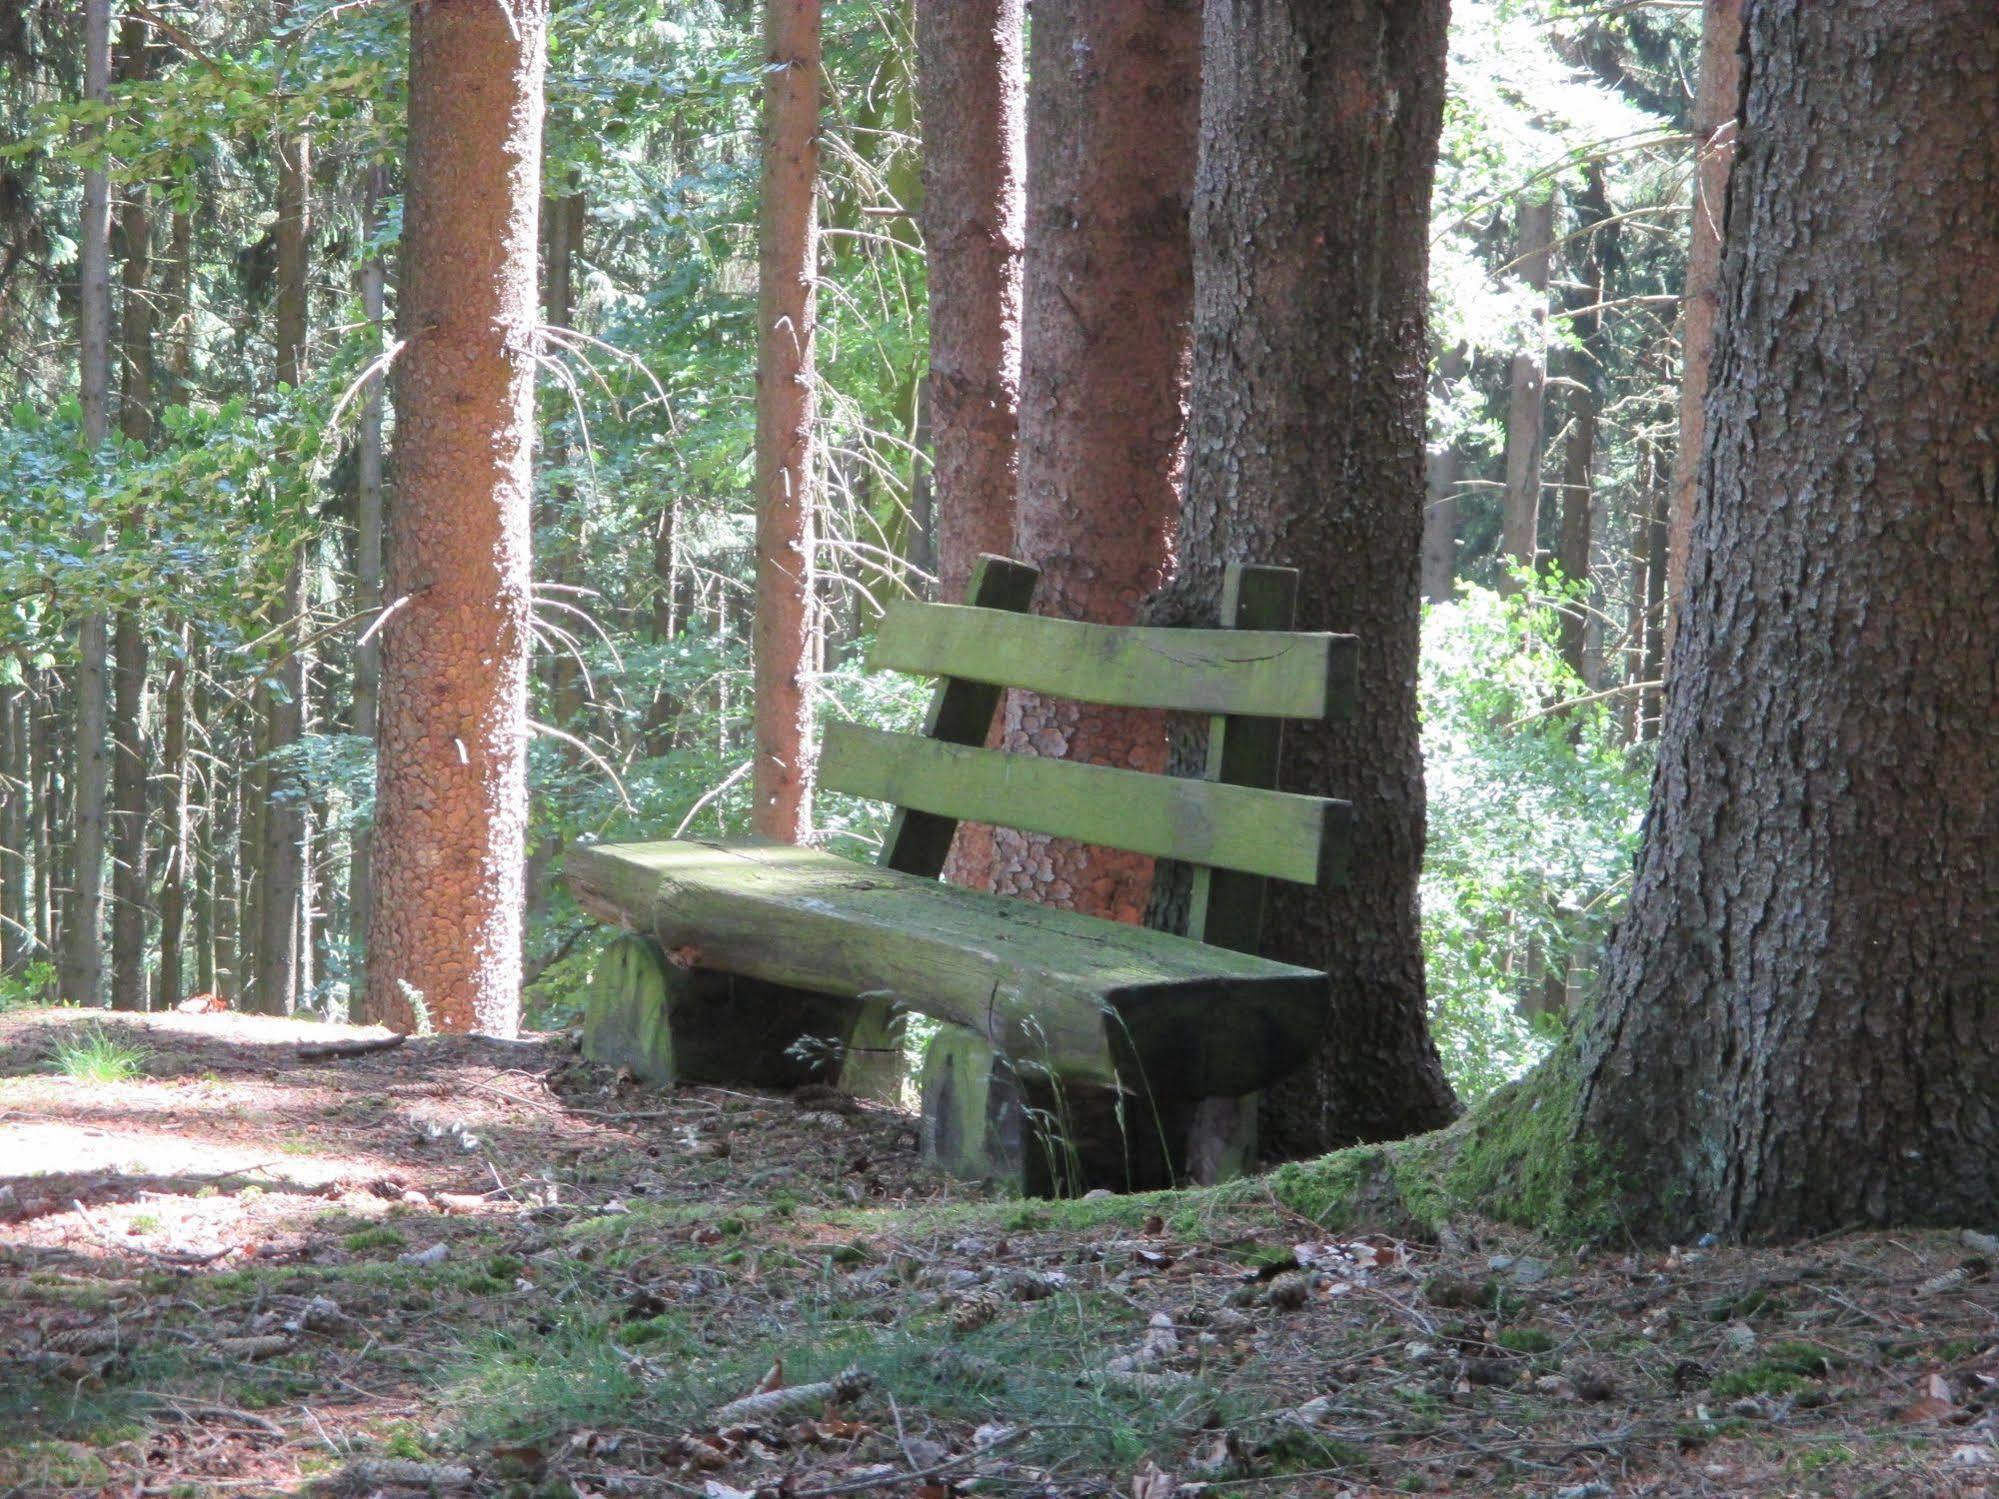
43	758
17	934
1113	116
131	764
1311	223
972	96
451	799
281	853
1443	465
1526	418
1716	99
368	553
1585	366
787	322
83	907
180	833
1796	1031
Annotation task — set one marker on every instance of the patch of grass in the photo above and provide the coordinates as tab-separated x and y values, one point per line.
144	1223
363	1240
1761	1378
95	1055
1524	1339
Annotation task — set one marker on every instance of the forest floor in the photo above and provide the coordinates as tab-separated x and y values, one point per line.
474	1266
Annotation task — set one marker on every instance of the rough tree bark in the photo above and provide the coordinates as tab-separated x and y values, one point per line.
1112	120
787	321
280	855
1527	410
82	979
1716	99
972	92
451	782
1318	146
1796	1032
131	757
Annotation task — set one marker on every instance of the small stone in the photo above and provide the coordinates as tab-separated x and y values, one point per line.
1289	1291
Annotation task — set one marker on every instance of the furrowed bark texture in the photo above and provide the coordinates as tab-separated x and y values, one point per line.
1318	145
1797	1029
787	322
82	979
1717	97
972	94
1112	122
451	799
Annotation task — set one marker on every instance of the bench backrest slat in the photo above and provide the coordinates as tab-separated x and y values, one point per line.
1261	673
1271	833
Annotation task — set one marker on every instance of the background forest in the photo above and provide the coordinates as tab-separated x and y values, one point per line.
230	534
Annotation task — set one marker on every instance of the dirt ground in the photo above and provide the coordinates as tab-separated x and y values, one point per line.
466	1266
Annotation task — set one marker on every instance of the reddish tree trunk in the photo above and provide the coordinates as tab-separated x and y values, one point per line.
1796	1031
451	799
787	321
1716	98
1112	122
1311	224
971	88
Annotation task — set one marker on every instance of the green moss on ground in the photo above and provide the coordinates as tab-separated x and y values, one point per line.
1517	1157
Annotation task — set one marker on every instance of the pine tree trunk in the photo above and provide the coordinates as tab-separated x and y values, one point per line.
787	322
972	90
180	832
1716	98
451	799
1585	365
17	933
281	853
1526	418
368	555
1311	224
82	979
1113	115
1443	465
43	718
131	751
1796	1032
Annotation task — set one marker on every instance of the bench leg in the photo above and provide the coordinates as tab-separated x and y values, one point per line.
974	1125
1221	1139
872	1067
671	1024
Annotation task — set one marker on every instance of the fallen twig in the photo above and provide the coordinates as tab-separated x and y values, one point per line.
327	1051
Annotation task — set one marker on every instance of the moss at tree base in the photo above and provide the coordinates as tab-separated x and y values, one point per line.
1517	1157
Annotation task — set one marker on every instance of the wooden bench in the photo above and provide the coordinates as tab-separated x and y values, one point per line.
1071	1052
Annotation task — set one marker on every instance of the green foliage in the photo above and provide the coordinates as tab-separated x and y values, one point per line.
95	1054
31	986
1534	814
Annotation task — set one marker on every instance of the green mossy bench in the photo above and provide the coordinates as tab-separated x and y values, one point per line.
1070	1052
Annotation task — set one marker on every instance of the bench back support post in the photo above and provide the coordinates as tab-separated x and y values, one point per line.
960	712
1226	907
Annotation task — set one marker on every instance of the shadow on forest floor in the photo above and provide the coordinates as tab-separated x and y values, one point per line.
489	1267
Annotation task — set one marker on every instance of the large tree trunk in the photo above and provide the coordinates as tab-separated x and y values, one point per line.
1797	1027
83	906
282	926
787	320
1311	223
451	798
1595	251
972	89
1716	99
131	750
1112	120
1526	417
368	551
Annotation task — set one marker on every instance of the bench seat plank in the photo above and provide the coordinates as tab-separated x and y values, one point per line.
1273	833
1265	673
1089	1002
